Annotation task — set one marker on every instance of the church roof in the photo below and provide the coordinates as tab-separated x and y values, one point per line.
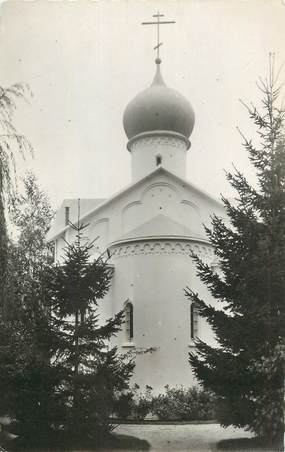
96	204
86	204
160	226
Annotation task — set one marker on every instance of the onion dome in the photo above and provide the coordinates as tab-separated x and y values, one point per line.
158	108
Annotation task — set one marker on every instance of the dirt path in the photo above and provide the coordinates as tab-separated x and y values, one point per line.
194	438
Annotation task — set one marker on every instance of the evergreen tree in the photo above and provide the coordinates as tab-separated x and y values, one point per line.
246	368
59	378
92	373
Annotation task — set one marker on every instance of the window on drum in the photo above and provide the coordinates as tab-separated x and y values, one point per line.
158	160
194	315
129	321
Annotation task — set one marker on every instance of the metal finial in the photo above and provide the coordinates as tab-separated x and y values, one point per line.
158	23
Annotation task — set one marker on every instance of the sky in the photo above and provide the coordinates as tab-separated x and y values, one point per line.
84	60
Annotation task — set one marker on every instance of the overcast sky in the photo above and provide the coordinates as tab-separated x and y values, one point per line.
85	60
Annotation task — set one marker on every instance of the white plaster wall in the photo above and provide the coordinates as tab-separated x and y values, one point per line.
153	277
160	193
161	197
144	150
98	230
105	308
60	244
154	280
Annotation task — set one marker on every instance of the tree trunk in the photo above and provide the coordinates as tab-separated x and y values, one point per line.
76	371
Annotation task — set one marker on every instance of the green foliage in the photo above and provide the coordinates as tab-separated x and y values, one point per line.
59	376
179	403
142	402
92	374
123	405
246	369
31	215
11	143
134	403
27	381
28	252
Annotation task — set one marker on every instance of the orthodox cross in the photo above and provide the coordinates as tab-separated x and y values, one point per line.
158	22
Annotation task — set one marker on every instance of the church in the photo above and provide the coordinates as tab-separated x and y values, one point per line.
150	229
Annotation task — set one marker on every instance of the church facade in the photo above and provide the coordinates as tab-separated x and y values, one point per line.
150	229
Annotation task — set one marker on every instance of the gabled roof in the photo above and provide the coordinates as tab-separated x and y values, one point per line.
158	227
54	232
86	204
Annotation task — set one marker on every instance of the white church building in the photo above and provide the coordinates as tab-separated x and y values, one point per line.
150	228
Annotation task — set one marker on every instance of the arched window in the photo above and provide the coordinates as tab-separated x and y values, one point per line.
129	321
193	321
158	159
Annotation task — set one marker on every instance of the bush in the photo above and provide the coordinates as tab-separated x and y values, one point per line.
134	404
143	403
123	405
179	403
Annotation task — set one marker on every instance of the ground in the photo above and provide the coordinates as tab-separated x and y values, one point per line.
185	437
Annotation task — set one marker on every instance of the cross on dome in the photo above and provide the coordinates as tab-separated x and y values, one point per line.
158	23
158	109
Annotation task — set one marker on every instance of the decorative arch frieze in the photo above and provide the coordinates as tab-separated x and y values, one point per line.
129	215
162	247
191	215
159	184
190	204
160	141
130	205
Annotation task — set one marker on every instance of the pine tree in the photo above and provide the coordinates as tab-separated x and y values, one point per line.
246	368
92	373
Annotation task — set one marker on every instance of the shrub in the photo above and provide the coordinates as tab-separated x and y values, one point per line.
181	403
143	403
178	403
124	405
134	404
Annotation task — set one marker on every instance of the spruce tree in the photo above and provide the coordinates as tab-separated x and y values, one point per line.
246	367
93	374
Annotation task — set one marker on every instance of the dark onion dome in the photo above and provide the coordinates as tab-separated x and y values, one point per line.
158	108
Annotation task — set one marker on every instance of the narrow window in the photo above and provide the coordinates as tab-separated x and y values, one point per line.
129	321
158	160
67	210
52	251
193	321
